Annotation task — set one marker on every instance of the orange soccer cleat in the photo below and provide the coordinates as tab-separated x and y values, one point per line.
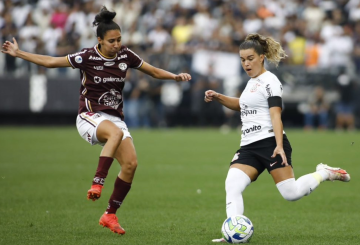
334	173
95	192
111	221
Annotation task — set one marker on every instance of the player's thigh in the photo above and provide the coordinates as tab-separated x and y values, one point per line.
106	129
87	124
246	161
266	149
126	153
250	171
281	174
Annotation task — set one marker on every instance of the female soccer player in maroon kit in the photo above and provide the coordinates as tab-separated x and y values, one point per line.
100	117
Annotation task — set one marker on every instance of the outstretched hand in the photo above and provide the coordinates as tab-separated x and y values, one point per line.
182	77
10	48
210	95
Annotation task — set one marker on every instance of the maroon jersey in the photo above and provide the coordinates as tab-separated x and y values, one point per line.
103	78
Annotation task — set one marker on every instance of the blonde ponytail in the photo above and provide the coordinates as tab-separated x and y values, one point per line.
267	46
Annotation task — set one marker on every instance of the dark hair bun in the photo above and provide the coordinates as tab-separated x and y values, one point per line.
104	16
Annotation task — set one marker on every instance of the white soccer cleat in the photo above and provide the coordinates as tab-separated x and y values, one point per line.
219	240
334	173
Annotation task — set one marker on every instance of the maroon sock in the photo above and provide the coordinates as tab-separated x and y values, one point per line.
102	170
121	189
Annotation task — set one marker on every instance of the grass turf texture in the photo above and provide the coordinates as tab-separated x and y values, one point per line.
45	174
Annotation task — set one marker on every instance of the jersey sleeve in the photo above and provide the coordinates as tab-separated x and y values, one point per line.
135	60
76	60
273	89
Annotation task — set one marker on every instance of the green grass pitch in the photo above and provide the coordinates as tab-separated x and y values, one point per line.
45	173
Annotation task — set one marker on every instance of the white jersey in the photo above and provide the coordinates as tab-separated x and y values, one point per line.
255	112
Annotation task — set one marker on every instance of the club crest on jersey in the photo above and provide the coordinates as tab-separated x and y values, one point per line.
78	59
254	87
123	66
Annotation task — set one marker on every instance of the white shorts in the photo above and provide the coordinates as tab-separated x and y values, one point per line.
87	123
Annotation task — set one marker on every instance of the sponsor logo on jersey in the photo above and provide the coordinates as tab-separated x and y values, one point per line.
94	58
78	59
112	98
122	56
99	68
109	63
123	66
253	129
97	79
76	54
113	79
268	90
245	112
108	79
254	87
281	88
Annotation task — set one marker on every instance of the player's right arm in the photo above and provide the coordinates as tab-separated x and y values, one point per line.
42	60
230	102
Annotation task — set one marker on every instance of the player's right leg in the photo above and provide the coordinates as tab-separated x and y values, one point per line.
96	128
236	181
244	169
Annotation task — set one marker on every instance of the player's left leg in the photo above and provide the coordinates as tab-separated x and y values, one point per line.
126	156
293	190
290	189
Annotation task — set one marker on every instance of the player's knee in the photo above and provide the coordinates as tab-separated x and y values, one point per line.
290	196
234	185
117	135
289	190
130	165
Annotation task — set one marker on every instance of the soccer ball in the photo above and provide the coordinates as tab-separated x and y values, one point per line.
237	229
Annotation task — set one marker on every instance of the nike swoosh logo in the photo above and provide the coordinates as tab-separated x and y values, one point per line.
272	164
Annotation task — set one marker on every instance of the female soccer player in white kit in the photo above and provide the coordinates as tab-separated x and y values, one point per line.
264	144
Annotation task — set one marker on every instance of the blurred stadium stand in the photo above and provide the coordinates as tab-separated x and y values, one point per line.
202	37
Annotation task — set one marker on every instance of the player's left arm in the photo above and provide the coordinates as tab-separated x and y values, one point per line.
162	74
275	115
273	92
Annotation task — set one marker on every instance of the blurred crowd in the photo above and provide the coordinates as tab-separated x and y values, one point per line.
316	34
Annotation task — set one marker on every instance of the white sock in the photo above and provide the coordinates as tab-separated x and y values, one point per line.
293	190
235	184
324	174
